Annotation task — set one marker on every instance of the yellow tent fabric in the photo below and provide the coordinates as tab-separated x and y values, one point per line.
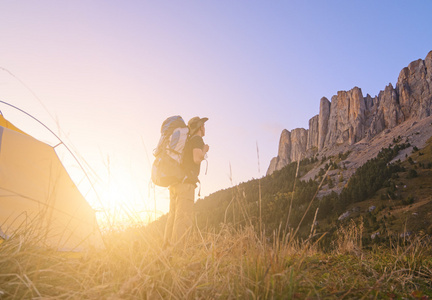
5	123
38	197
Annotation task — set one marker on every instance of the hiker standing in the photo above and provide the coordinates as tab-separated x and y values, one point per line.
180	217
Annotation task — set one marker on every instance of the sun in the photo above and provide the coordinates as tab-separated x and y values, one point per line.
119	197
123	201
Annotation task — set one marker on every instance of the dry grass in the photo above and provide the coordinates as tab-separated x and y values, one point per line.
230	264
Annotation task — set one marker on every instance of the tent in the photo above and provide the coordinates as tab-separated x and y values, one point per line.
38	198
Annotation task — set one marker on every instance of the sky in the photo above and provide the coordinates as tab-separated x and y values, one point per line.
104	75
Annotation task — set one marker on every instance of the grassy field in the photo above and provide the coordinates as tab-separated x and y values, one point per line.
234	263
230	264
244	263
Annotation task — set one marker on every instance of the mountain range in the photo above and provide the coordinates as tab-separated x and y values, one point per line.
361	125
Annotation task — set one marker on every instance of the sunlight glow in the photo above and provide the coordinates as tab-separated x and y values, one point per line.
120	197
121	205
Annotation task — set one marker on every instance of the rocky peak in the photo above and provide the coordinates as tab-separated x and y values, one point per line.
292	145
346	120
350	117
313	135
323	118
299	138
414	87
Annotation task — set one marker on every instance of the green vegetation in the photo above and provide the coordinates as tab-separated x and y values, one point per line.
370	177
283	199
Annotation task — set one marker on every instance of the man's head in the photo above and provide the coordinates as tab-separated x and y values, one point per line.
196	124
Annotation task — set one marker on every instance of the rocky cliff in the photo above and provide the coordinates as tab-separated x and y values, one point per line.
351	117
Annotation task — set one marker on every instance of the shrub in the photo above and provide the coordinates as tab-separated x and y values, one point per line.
408	201
412	173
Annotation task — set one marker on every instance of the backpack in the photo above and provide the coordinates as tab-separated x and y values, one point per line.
167	166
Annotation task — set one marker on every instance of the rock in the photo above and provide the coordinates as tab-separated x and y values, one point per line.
284	152
323	119
356	118
272	167
405	234
344	216
414	87
298	144
292	146
371	208
391	110
313	134
428	62
375	235
346	122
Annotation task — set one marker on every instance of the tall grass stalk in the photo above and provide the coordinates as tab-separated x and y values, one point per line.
237	203
259	191
310	204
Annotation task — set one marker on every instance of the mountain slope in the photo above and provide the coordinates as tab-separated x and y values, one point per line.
391	197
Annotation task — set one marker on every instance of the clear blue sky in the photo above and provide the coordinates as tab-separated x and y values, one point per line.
107	73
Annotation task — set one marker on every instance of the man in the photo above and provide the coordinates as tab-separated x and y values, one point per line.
180	217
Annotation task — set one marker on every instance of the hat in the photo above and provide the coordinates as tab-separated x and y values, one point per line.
195	123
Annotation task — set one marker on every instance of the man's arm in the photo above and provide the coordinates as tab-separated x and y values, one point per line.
199	154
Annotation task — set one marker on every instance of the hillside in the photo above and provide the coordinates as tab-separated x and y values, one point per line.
351	157
391	196
403	206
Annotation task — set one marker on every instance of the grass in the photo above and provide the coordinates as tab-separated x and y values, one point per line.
230	264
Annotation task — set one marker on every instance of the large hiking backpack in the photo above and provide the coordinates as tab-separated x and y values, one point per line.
167	166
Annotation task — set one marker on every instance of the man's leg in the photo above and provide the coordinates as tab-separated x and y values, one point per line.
171	216
184	211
